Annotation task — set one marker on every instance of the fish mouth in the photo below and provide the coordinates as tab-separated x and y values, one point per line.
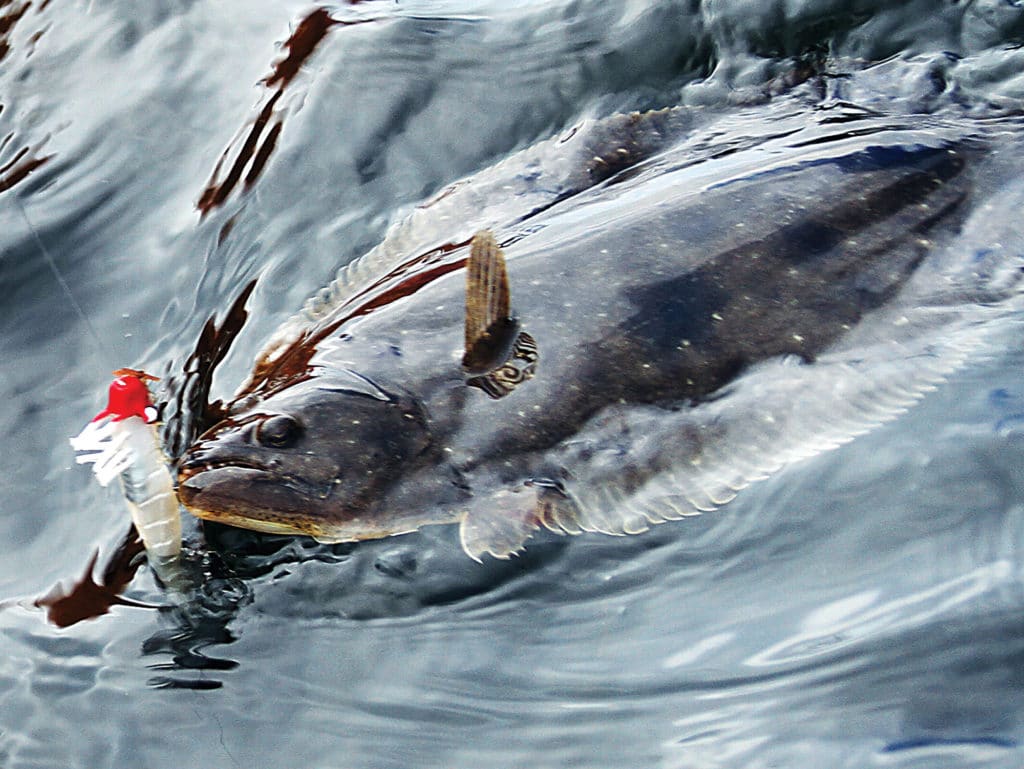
189	468
196	474
209	489
245	495
254	497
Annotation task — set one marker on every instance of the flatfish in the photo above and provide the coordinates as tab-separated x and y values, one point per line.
624	325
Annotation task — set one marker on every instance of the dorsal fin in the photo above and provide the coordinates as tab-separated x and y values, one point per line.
490	328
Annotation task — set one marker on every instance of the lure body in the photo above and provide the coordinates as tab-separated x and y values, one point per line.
121	442
149	491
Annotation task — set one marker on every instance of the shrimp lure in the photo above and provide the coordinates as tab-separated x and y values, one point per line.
122	441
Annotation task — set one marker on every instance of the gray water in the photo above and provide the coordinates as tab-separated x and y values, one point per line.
861	608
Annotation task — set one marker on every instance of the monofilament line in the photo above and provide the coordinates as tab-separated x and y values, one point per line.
60	278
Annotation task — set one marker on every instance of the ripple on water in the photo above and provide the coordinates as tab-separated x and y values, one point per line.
861	609
856	618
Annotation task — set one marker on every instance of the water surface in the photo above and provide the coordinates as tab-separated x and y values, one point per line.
861	608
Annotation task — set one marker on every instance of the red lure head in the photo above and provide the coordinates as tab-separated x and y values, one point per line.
128	396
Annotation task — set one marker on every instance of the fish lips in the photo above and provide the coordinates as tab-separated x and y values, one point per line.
246	496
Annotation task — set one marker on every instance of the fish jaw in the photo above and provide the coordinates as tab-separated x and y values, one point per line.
212	495
246	497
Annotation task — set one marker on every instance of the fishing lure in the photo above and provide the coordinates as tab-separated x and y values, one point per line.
121	441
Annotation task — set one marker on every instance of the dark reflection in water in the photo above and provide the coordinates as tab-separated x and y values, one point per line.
88	598
25	160
200	600
10	15
259	142
304	40
18	158
188	411
202	606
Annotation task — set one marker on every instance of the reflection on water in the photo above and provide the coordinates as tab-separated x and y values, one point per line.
860	609
855	618
256	147
24	160
88	598
18	158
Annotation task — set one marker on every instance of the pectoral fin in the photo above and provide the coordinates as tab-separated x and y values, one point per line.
501	523
498	356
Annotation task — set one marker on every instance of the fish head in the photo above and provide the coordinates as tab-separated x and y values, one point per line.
310	459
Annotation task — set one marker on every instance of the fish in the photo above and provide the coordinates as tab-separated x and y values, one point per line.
626	324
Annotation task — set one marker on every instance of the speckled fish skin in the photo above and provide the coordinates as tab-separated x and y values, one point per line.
660	291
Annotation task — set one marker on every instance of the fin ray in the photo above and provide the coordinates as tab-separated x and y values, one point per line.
489	328
861	383
779	413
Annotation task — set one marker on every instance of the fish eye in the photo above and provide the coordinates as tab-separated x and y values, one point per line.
278	431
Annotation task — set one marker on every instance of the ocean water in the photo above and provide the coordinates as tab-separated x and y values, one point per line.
861	608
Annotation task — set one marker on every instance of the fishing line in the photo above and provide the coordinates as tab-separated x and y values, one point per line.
60	279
